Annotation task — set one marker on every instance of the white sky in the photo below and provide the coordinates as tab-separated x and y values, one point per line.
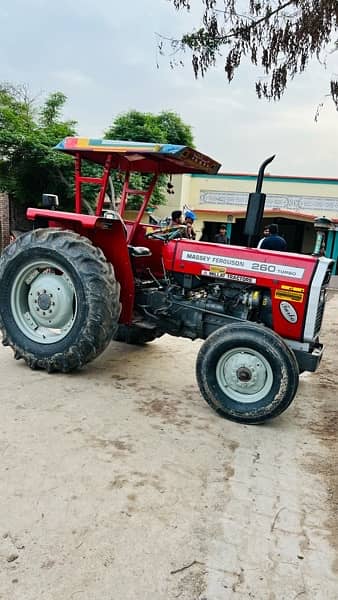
103	56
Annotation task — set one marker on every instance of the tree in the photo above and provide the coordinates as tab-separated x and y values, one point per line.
165	128
28	164
279	36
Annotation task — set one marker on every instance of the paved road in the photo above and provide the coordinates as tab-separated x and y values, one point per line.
119	482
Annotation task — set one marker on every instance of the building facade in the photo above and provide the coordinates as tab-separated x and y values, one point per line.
291	202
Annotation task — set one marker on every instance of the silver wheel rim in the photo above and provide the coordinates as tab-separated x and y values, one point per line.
43	302
244	375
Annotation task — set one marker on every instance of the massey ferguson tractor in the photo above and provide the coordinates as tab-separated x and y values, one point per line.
77	281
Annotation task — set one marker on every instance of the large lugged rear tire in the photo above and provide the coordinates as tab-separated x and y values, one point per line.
59	300
247	373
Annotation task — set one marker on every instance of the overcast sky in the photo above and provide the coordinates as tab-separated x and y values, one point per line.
103	56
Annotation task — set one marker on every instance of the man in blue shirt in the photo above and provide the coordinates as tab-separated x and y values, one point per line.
273	241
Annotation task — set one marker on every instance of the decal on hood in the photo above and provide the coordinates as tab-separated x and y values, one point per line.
243	264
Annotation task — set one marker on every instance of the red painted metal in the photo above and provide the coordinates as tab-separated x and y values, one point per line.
147	196
107	234
153	262
124	195
111	235
58	216
104	183
112	242
97	180
280	272
78	203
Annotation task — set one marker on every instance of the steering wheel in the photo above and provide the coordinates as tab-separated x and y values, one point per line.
172	234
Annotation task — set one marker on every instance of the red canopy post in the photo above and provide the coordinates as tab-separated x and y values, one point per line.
104	183
78	202
147	195
124	195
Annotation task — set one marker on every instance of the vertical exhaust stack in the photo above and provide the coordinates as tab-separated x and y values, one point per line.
256	203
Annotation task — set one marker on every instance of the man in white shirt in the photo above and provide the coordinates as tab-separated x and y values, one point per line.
266	233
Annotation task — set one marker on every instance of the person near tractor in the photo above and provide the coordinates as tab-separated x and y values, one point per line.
189	222
273	241
266	234
176	218
221	237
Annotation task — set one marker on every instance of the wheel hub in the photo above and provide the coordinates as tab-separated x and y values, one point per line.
50	300
44	301
244	374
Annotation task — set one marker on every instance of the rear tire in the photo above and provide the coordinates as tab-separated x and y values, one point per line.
247	373
59	300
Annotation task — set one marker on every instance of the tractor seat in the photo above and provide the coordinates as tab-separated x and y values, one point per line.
139	251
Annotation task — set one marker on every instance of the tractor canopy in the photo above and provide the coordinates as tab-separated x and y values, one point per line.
139	156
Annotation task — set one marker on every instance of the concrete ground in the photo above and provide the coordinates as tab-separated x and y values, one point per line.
120	483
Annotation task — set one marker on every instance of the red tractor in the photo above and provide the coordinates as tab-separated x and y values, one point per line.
77	281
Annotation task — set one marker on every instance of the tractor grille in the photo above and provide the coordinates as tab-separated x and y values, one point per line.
322	298
320	312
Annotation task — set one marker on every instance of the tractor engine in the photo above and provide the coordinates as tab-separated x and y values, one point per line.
190	307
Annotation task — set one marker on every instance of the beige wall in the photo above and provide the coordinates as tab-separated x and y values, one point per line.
225	199
283	186
287	193
294	198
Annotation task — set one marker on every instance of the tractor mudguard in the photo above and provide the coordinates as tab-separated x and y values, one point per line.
107	234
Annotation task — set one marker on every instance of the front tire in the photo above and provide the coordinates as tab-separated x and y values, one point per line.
59	300
247	373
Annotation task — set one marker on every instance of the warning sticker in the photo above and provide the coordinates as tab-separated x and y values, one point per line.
292	289
289	295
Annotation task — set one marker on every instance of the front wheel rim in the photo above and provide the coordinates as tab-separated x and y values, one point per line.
43	302
244	375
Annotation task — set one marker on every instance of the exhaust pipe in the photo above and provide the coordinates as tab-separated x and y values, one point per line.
256	203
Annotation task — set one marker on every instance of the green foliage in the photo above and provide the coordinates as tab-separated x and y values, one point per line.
279	37
164	128
28	164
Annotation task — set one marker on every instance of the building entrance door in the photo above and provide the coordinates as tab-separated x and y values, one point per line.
299	235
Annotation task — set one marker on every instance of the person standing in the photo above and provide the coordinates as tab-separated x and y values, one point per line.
273	241
266	234
221	237
189	222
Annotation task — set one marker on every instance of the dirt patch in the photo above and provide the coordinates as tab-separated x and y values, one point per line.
120	481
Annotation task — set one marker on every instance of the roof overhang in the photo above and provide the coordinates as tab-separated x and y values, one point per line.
140	157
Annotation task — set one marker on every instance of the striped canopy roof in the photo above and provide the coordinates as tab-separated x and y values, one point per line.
140	157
